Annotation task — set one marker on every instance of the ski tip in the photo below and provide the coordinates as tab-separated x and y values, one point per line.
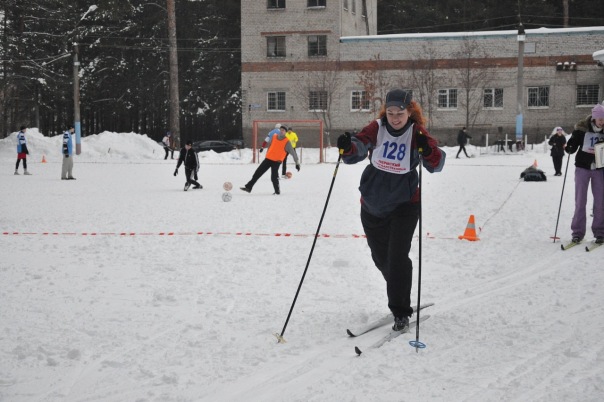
562	247
587	249
357	350
349	333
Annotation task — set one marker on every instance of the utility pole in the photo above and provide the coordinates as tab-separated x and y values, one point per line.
520	84
76	82
76	97
174	101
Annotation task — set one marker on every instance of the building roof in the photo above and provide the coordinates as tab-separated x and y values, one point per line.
475	34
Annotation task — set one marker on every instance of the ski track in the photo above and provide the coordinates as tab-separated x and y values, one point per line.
191	318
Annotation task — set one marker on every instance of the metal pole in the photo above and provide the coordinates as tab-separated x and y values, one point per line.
561	195
280	338
519	84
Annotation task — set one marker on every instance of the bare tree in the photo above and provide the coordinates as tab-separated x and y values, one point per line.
473	77
425	81
375	84
318	91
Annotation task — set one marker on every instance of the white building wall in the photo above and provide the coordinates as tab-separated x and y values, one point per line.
393	56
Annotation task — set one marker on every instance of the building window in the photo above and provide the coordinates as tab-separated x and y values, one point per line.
360	101
538	97
588	94
275	46
316	3
272	4
317	45
317	101
345	4
275	101
447	98
492	98
353	8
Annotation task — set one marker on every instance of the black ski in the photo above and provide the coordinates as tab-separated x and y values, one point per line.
387	319
391	335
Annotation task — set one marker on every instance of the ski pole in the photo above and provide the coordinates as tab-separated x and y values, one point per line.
561	195
416	343
280	338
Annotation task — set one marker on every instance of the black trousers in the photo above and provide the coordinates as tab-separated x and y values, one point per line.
265	165
389	239
167	152
558	163
462	148
191	176
284	168
24	164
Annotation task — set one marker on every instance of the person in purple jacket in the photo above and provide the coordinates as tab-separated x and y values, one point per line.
587	133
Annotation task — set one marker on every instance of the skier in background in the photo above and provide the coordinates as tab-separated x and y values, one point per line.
586	134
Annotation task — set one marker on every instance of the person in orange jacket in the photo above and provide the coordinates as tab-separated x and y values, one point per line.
278	146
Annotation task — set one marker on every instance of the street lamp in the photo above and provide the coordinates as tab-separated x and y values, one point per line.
519	84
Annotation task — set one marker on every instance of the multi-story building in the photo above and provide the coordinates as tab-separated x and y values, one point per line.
322	59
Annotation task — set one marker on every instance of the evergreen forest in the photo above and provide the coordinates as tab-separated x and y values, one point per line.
122	48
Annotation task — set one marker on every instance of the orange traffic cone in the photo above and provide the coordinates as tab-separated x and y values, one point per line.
43	159
470	233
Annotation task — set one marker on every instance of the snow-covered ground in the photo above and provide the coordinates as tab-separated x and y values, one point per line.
119	286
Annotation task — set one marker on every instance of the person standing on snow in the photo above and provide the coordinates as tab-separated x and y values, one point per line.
586	134
278	146
67	149
293	139
390	190
558	142
167	147
22	151
191	162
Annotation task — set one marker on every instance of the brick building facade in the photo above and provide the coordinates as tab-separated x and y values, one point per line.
322	59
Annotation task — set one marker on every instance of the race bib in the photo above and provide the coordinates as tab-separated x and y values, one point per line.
590	141
392	154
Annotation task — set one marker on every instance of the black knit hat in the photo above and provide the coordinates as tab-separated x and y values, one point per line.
398	97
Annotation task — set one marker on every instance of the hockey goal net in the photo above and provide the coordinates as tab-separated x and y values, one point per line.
309	132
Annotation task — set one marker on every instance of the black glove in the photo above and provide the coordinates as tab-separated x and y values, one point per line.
67	156
24	149
176	172
345	142
298	168
422	144
260	150
570	149
196	178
